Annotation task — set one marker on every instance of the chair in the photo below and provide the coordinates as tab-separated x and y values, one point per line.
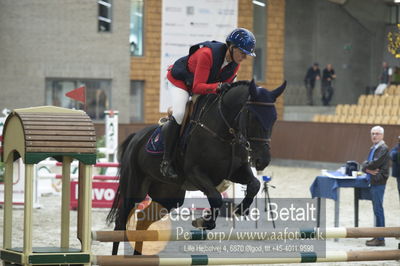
317	118
379	110
382	100
385	120
339	109
396	101
386	110
365	110
356	119
329	118
345	110
358	110
322	119
363	119
349	119
391	90
368	100
393	120
389	100
372	110
370	120
377	120
335	119
361	99
342	119
375	100
352	110
394	110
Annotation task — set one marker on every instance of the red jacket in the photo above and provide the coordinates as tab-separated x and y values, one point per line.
200	64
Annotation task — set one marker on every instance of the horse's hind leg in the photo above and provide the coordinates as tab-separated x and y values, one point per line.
120	222
145	218
165	197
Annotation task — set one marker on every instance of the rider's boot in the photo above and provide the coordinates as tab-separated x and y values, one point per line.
170	131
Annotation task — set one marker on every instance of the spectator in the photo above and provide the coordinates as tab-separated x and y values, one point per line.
394	154
313	73
377	169
328	75
384	79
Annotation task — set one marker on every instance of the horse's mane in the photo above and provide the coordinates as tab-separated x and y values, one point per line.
240	83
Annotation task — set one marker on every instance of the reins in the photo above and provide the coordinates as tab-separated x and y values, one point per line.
237	135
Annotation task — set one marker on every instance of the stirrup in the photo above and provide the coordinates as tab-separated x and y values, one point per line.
167	170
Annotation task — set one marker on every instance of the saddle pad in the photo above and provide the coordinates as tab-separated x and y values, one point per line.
155	144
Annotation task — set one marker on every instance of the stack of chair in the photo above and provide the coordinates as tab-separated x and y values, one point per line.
370	109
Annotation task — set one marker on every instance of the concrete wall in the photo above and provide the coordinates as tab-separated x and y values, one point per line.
59	39
350	36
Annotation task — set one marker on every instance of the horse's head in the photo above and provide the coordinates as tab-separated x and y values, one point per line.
256	121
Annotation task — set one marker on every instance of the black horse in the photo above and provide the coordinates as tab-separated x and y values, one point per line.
225	130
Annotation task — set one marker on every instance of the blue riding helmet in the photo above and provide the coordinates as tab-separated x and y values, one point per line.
243	39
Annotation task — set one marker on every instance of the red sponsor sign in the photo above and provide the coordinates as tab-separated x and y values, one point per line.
103	194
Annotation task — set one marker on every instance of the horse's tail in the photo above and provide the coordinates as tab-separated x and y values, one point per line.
115	209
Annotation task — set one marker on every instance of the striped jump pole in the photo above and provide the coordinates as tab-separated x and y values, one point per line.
308	257
75	163
180	235
94	177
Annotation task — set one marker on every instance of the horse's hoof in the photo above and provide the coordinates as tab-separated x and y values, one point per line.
201	223
198	223
209	225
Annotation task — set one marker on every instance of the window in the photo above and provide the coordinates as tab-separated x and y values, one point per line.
136	28
98	95
259	22
136	101
394	14
104	15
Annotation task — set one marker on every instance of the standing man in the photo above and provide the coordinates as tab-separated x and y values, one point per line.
326	84
313	73
384	79
394	154
377	169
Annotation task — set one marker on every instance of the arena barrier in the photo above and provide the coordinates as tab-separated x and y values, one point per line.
333	256
196	235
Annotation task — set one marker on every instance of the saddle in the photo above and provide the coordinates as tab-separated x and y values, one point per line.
155	144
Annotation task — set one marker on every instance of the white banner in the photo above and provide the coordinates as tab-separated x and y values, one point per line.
111	134
187	22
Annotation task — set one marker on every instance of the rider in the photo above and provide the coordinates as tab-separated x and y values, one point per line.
209	68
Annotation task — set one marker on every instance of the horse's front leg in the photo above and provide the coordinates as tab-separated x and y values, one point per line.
246	177
214	199
207	222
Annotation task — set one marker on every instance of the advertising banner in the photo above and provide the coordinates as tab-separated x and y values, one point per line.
185	23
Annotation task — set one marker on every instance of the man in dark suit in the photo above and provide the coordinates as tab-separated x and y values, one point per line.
377	169
328	75
395	156
313	74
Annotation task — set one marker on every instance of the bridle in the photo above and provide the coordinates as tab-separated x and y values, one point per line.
266	140
237	135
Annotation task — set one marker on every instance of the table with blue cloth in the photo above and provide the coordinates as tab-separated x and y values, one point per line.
329	187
